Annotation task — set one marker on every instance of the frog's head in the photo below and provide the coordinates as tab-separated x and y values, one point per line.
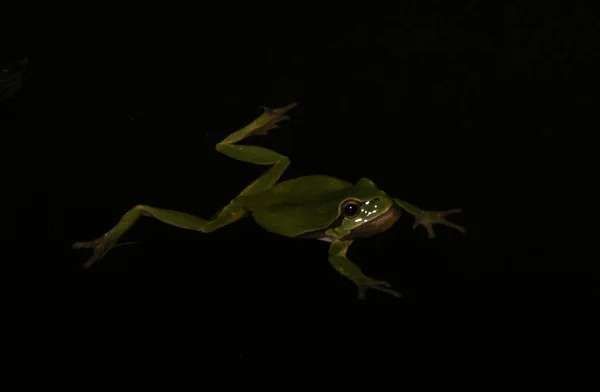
365	210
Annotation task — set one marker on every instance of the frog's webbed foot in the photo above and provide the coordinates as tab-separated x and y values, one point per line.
271	117
428	218
100	245
380	285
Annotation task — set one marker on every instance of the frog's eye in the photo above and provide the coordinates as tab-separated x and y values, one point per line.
350	208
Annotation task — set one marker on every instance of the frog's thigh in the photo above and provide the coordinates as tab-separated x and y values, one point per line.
227	215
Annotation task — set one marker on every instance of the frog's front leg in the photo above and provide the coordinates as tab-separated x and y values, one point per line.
339	261
428	218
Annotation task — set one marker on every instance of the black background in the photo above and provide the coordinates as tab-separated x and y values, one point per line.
470	105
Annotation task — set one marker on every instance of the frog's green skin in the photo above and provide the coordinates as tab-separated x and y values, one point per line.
318	206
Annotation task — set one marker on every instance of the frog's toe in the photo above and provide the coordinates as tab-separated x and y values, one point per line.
427	226
100	245
382	283
442	220
379	285
452	211
279	111
429	218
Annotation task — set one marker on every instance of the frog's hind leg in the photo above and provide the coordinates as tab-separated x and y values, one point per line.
258	155
103	244
230	213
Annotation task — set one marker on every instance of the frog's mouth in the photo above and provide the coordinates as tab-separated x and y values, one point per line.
377	225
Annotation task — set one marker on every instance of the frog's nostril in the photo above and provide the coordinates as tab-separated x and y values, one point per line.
375	200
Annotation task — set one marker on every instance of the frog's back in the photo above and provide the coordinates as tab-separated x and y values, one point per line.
296	206
296	191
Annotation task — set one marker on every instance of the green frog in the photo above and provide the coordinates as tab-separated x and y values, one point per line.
317	207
